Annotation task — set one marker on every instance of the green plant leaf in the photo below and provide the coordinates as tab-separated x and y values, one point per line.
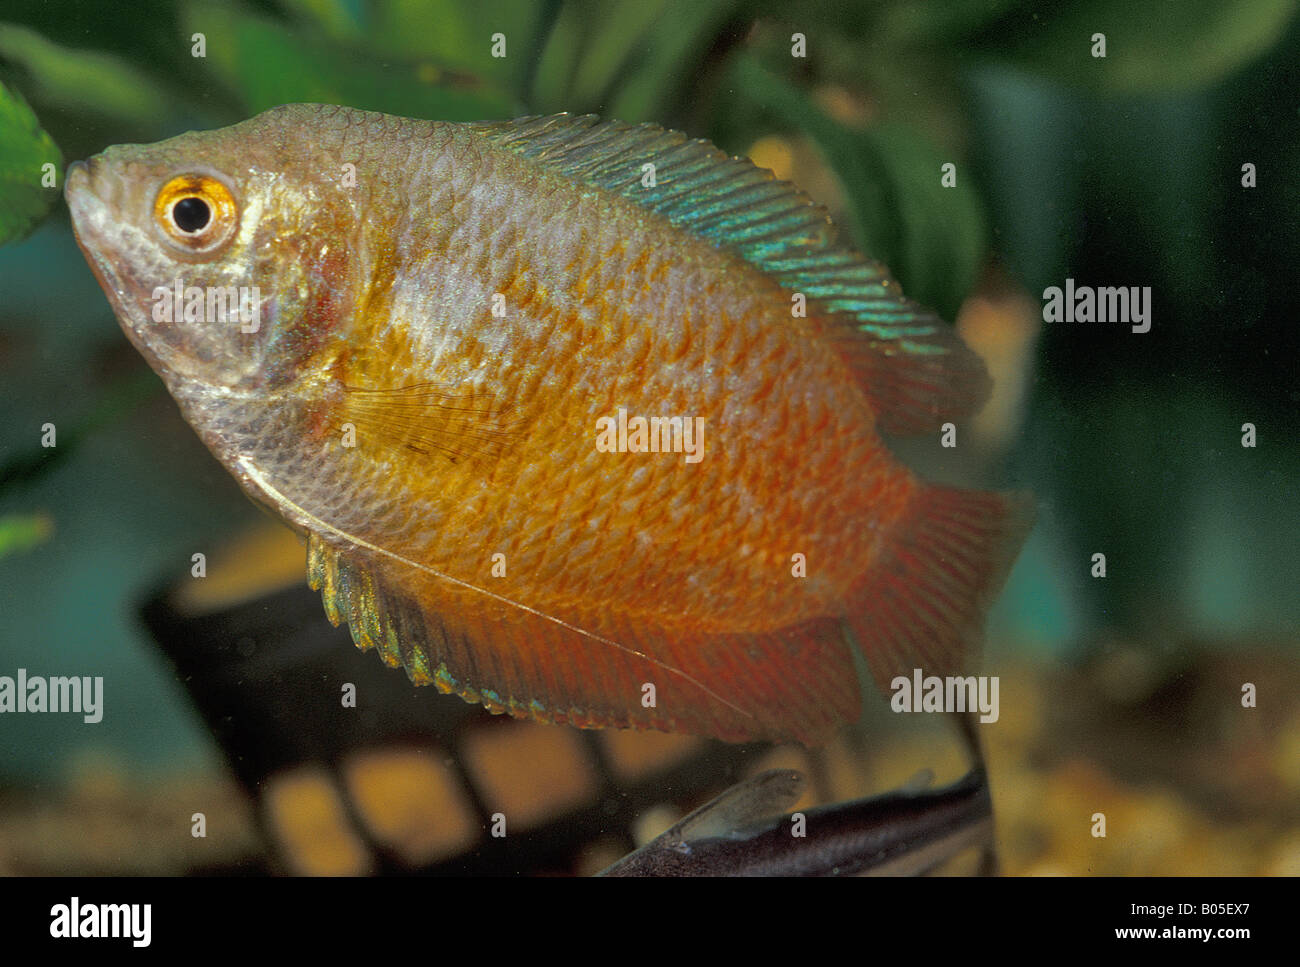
422	28
24	466
924	22
932	237
1149	46
458	35
619	30
883	24
668	55
81	80
563	48
268	64
942	234
624	59
22	532
1026	136
331	16
24	151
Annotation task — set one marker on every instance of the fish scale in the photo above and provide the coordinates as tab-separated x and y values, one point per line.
475	434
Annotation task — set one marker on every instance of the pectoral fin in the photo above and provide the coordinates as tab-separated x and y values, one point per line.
427	420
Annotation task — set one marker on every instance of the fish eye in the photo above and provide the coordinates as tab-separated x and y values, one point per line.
191	214
197	212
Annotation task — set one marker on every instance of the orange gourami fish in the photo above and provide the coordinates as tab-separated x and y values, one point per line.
573	437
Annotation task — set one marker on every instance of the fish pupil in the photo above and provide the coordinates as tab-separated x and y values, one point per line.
191	214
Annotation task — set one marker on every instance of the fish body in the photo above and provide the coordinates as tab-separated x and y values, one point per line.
460	383
900	833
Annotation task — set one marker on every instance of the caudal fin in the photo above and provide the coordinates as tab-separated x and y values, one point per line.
923	603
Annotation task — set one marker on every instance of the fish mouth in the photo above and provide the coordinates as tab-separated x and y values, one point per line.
91	214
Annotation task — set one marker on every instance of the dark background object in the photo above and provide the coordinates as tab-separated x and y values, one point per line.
267	677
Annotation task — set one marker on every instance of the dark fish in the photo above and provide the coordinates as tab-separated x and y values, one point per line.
902	833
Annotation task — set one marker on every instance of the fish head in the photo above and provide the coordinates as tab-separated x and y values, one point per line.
226	255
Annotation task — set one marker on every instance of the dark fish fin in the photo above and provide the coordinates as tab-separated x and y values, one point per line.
912	365
426	419
513	659
744	806
923	602
730	815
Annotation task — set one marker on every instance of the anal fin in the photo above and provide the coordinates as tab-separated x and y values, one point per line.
797	683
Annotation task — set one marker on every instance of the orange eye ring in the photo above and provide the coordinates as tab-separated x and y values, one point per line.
197	212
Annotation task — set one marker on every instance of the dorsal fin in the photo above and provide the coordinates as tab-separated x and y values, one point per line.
911	364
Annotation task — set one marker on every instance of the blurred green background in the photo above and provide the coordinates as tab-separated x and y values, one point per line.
1122	170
